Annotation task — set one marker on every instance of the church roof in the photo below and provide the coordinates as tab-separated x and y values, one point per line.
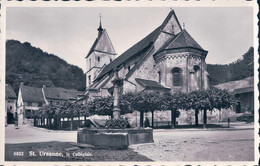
182	40
9	92
150	84
102	44
138	47
60	93
32	94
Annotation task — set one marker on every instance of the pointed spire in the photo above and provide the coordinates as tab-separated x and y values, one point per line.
100	29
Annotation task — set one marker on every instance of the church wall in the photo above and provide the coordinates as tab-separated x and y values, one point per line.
176	61
194	77
172	26
104	59
161	68
161	40
147	70
129	87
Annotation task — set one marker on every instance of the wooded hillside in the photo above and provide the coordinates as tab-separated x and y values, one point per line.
238	70
37	68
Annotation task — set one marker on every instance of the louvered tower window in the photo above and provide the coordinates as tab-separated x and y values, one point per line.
160	77
176	76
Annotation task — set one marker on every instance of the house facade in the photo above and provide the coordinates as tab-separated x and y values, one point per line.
32	98
166	59
29	99
243	91
10	104
55	94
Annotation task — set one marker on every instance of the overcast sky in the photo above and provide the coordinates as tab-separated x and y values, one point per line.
226	33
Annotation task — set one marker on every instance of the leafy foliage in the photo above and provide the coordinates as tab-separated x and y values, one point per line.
62	109
238	70
119	123
36	68
210	99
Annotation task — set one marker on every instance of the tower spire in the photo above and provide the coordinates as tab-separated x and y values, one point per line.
100	29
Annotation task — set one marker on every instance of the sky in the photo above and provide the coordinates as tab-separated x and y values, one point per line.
225	32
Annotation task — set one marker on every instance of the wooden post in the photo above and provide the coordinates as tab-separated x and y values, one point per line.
173	119
205	119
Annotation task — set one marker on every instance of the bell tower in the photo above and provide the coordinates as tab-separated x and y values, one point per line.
100	54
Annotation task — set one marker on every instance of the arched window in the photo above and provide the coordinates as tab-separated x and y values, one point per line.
176	77
196	68
159	77
98	58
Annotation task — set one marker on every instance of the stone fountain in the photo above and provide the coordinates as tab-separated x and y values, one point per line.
115	138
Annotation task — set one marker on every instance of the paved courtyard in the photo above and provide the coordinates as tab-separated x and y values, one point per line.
169	145
199	145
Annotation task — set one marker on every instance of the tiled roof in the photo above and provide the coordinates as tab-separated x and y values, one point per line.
60	93
138	47
150	84
9	92
182	40
32	94
233	85
102	44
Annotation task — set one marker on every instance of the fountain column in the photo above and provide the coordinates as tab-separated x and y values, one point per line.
117	82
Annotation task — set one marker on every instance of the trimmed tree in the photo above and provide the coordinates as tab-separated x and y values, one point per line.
173	103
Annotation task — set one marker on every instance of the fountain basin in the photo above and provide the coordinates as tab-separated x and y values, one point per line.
115	138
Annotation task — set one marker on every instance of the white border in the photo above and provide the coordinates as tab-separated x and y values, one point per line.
125	3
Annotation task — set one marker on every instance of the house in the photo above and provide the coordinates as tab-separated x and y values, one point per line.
29	99
32	98
166	59
243	91
55	94
10	104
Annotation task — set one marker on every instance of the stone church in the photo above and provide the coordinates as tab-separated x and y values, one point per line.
166	59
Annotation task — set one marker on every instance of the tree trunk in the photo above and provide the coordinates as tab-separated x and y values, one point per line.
196	117
141	119
71	123
205	119
85	120
34	121
152	118
173	119
79	122
56	123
